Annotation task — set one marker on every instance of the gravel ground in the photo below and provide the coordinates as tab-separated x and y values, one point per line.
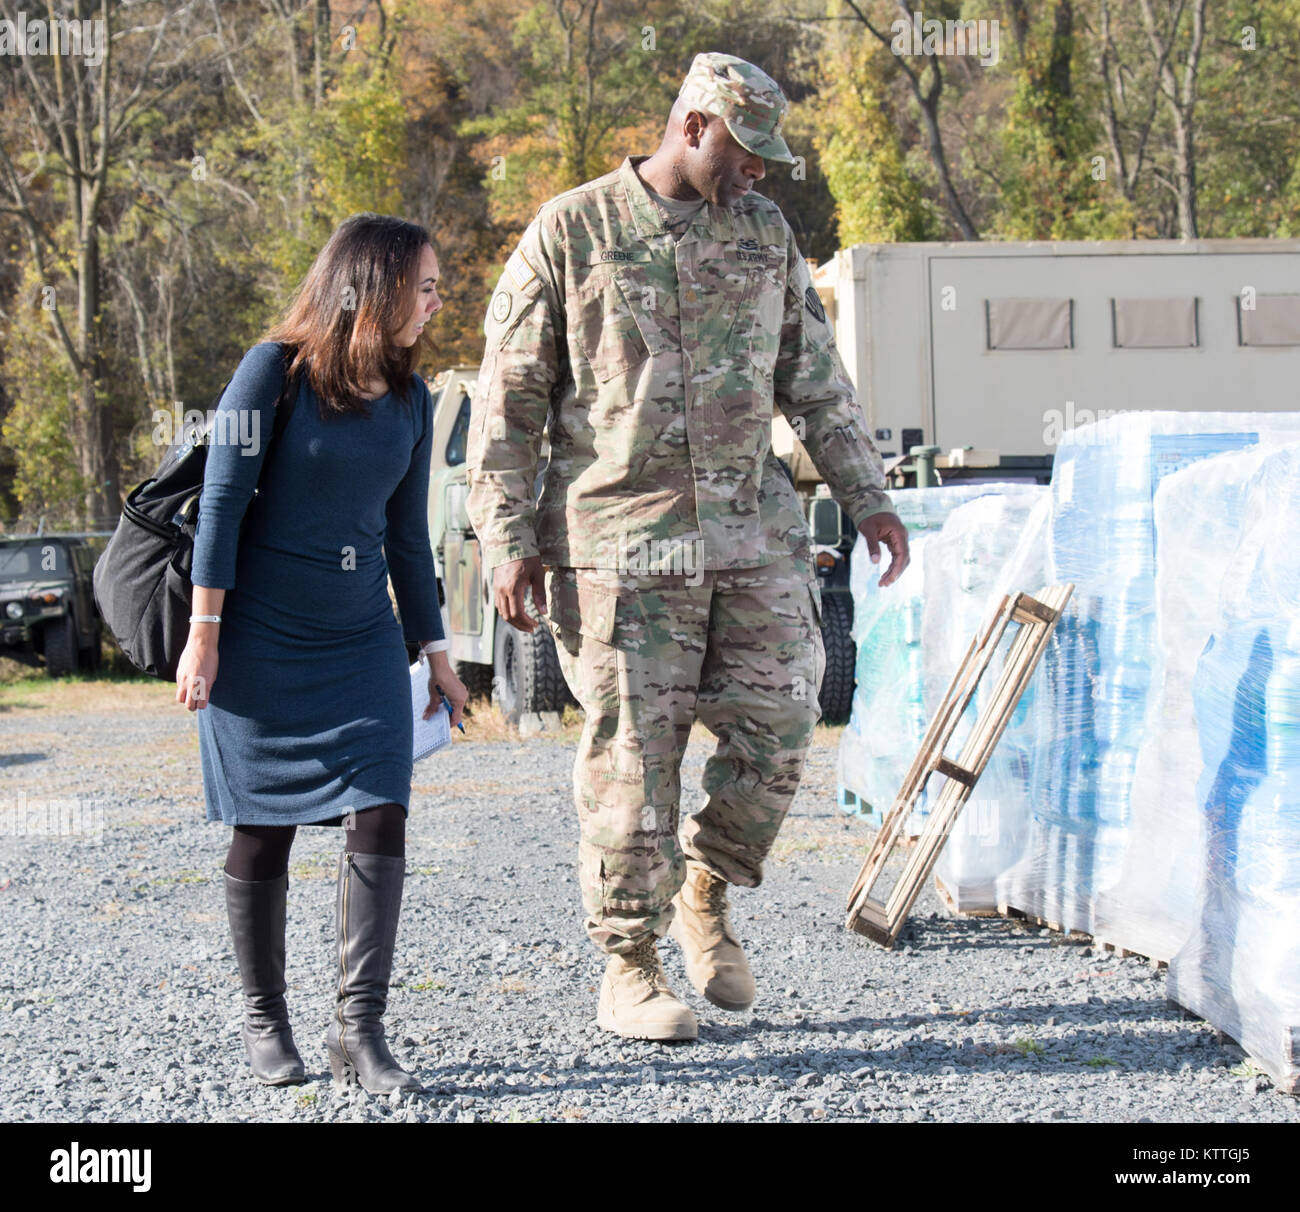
121	996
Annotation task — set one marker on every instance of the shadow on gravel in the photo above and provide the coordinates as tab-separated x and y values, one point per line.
973	934
1090	1046
21	759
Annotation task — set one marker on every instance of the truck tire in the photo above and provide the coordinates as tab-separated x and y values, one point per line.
527	670
91	657
61	646
477	678
836	691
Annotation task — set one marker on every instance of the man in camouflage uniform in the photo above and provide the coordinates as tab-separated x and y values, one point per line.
648	322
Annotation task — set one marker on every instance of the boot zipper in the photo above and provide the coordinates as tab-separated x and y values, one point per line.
343	961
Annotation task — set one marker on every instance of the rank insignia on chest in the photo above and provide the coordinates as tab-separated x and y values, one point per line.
747	245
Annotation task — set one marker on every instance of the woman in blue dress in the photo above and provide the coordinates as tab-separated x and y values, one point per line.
307	721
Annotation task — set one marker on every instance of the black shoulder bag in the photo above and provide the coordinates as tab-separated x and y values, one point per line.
142	581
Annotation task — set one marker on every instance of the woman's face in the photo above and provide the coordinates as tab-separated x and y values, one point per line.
426	299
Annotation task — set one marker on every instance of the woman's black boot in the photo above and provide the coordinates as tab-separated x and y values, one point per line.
369	904
256	909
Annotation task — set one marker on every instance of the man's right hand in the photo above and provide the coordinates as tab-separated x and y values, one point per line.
510	583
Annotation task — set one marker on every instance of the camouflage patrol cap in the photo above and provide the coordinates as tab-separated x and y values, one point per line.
746	98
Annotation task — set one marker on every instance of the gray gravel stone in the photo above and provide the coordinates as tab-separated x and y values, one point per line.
122	1000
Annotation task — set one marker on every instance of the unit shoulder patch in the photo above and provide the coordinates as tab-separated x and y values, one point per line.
814	304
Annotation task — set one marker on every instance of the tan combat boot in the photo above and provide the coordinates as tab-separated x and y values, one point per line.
714	961
635	1000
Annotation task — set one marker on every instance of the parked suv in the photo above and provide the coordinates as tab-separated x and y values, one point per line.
47	603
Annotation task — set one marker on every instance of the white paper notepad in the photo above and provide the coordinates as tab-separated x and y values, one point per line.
431	734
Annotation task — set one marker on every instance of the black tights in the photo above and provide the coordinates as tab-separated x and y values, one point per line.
261	852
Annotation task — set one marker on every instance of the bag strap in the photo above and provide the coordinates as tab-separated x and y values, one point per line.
285	401
284	405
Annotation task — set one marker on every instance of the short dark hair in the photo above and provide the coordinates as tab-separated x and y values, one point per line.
360	288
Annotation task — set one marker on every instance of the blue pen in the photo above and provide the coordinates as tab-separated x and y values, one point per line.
447	705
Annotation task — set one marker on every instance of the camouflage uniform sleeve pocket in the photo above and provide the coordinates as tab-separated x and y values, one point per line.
585	609
816	325
507	308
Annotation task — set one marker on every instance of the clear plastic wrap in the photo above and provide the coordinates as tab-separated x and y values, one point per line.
1147	790
1240	967
896	660
1091	711
1198	516
987	548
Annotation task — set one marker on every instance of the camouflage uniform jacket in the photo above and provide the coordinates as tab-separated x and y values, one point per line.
653	365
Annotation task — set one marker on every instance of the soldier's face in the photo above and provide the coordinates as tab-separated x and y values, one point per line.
723	170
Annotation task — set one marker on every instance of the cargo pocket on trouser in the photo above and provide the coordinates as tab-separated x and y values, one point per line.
619	846
576	612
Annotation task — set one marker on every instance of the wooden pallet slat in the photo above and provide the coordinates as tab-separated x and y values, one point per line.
1036	618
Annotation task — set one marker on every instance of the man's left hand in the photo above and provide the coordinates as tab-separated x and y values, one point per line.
887	528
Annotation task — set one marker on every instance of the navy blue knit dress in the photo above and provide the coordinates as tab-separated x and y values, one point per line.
309	717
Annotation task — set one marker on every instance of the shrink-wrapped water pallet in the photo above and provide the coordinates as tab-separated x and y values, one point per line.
901	631
1091	710
1239	967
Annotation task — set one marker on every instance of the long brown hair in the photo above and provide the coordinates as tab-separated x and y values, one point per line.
359	290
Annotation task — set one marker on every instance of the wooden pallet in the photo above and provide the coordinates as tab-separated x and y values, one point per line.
954	907
1101	944
1043	923
1126	953
1036	617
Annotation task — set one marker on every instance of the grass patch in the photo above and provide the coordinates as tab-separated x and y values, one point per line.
1029	1047
427	986
1246	1069
111	690
183	877
316	867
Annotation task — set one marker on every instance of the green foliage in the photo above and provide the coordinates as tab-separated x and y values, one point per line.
236	166
1051	171
580	89
358	144
877	200
1248	155
38	426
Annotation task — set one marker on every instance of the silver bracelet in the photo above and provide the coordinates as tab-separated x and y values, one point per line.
205	618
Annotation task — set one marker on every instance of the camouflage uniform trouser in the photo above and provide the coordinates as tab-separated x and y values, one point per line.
645	655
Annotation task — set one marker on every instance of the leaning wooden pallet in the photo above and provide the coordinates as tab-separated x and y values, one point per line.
1036	618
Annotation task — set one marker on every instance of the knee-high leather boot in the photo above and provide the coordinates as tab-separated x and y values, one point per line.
369	904
256	909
